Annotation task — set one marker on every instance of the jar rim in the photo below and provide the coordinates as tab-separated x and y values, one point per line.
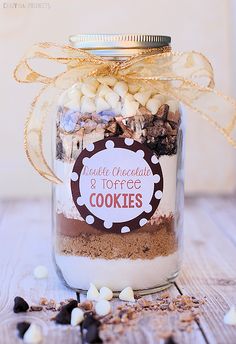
118	44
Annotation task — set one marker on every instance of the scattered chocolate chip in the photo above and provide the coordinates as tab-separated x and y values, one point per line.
170	340
91	326
71	305
22	327
20	305
89	319
92	334
64	316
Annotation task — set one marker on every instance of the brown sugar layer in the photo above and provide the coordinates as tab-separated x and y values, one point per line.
147	242
75	227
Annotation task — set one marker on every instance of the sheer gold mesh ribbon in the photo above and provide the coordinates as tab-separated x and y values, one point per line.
186	77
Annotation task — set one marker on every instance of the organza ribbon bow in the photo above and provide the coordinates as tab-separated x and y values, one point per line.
185	76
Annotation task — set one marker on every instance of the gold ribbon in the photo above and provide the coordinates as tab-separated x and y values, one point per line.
185	76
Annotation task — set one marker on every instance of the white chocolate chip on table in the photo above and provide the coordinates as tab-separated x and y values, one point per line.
92	293
127	294
33	335
40	272
103	307
77	316
106	293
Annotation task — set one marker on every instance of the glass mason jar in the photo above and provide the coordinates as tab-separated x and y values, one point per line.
118	213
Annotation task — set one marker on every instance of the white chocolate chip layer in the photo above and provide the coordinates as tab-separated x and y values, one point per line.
101	104
121	88
87	105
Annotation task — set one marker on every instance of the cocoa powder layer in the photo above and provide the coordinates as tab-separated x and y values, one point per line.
147	242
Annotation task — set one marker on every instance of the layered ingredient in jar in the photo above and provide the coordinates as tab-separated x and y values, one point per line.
105	108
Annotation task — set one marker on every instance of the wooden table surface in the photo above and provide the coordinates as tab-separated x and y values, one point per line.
209	270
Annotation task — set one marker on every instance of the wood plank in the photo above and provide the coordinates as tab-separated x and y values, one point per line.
151	327
209	270
25	236
222	211
25	229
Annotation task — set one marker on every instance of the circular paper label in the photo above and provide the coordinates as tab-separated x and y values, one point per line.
117	184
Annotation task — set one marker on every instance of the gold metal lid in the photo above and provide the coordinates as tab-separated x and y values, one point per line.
117	44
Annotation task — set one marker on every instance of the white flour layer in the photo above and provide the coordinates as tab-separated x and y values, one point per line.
117	274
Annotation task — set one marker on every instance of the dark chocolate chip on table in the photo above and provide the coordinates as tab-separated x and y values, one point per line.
20	305
22	327
89	319
170	340
90	329
71	305
92	334
64	316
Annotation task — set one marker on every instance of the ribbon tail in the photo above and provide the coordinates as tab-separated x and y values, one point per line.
33	134
23	73
215	107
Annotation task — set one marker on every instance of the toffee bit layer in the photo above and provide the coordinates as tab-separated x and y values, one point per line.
147	242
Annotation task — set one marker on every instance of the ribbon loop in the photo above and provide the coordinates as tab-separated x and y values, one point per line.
185	76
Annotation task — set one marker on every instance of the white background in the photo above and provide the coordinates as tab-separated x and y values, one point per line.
202	25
